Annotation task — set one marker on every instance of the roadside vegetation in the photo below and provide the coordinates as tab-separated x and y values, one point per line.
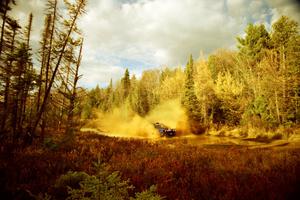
177	170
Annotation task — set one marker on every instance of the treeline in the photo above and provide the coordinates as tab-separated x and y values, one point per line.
41	96
139	95
257	85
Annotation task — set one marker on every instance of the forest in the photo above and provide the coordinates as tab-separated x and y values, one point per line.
256	86
59	140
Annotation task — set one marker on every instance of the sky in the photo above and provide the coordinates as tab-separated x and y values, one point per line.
147	34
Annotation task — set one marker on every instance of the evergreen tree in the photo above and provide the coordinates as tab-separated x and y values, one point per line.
189	99
284	32
7	72
48	55
133	95
43	57
253	45
4	8
126	84
148	96
109	96
143	105
72	97
286	43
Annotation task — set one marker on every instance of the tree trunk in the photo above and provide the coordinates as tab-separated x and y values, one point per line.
44	56
50	45
43	106
70	121
277	107
7	87
283	66
27	78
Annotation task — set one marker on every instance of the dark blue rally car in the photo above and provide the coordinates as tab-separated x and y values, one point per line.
164	130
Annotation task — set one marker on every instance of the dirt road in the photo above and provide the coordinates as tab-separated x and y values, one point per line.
209	141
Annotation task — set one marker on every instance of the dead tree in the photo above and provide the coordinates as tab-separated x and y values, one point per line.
73	96
75	12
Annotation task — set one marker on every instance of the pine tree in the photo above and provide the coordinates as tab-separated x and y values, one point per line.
73	96
20	78
52	11
28	72
4	8
126	84
254	44
8	72
189	99
143	105
109	97
286	43
48	55
133	96
43	59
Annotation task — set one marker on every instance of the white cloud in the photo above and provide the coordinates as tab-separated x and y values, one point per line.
94	75
290	8
98	70
158	32
146	33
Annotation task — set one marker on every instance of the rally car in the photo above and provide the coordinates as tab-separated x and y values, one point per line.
164	130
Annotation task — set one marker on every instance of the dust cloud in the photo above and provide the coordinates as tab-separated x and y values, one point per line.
123	122
171	114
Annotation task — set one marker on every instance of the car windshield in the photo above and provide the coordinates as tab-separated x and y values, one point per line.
158	125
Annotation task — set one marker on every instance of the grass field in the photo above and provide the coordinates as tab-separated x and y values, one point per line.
180	170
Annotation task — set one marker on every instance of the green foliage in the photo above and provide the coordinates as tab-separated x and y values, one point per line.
87	111
259	107
286	43
147	195
189	99
126	84
286	50
256	41
68	180
221	62
108	101
259	81
133	95
143	105
284	32
50	144
103	185
147	92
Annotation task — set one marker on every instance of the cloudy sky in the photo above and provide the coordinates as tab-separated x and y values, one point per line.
142	34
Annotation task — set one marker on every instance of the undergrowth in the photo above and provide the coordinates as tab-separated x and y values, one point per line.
179	171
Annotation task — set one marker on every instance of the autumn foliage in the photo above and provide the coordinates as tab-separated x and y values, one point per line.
179	170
